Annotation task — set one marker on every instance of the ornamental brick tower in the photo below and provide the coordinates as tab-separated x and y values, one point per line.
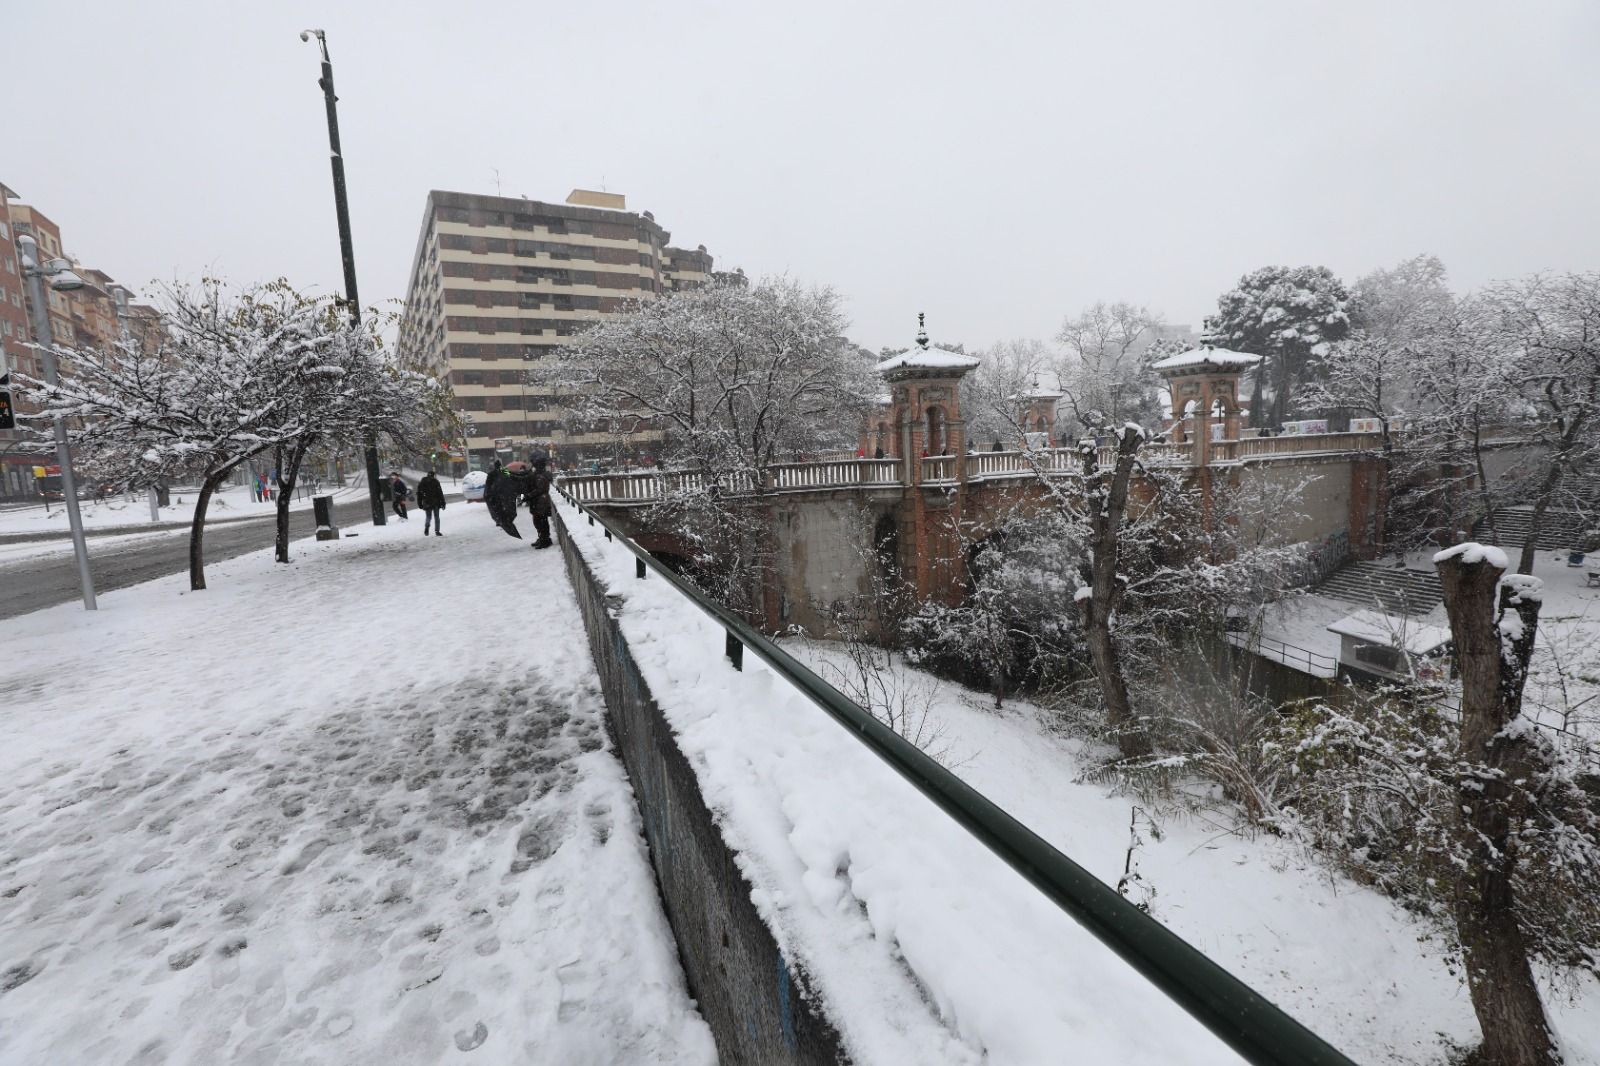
929	438
1204	382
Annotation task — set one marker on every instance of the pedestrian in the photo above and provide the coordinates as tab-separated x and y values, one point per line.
398	493
996	447
430	497
539	501
877	453
510	488
255	487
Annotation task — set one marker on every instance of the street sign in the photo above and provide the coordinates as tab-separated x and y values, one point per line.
8	418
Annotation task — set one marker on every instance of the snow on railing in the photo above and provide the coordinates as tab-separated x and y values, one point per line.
847	472
1304	443
1252	1026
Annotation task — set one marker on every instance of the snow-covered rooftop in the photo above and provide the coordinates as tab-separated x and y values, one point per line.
1417	638
1202	356
922	356
931	358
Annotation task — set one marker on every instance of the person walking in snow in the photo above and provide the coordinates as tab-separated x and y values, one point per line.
430	497
507	494
398	491
539	500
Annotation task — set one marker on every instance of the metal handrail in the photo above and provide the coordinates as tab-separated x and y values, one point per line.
1242	1018
1258	644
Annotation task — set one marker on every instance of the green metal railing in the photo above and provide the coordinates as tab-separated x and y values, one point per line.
1238	1015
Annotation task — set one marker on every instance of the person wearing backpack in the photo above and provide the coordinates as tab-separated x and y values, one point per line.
430	497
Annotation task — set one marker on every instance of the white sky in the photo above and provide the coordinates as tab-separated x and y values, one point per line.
995	165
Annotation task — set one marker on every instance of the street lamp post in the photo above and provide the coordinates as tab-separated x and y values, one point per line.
62	279
346	251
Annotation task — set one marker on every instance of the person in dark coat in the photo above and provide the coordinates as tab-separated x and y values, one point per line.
398	491
539	500
509	490
491	499
430	497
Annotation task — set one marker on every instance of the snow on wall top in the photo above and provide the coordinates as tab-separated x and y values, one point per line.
1219	357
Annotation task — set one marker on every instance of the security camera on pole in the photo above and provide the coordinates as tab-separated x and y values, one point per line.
62	279
353	301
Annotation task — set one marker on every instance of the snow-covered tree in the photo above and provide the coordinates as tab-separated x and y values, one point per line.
1477	818
1287	315
345	392
737	379
1544	333
233	378
1103	371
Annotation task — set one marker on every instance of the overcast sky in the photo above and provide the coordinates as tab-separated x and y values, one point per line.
996	165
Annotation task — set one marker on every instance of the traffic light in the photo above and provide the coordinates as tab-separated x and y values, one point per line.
8	418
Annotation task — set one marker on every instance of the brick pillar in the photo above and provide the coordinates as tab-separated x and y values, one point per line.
1364	477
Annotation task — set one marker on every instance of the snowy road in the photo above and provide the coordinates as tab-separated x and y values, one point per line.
356	810
35	580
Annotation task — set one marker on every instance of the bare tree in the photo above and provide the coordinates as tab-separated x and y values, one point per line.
1546	334
1103	372
1492	651
736	379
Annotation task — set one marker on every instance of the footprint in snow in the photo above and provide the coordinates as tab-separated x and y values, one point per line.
466	1041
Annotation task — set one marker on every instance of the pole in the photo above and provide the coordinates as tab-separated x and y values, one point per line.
69	486
347	250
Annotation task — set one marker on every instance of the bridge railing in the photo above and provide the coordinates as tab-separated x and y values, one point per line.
1303	444
1242	1018
938	468
847	472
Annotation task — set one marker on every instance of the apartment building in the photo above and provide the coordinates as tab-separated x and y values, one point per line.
86	317
499	284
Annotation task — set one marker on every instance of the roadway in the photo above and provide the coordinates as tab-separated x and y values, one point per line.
46	580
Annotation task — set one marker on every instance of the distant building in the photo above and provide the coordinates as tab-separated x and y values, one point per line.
499	284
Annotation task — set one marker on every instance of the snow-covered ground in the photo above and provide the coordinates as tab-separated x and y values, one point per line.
1564	677
929	950
1336	955
922	945
231	502
358	809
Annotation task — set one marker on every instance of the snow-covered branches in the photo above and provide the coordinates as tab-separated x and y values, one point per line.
1104	374
1287	315
237	374
735	378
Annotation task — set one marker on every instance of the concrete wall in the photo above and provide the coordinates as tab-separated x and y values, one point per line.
747	991
1323	507
824	554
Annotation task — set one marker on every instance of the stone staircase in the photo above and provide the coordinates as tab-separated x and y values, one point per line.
1392	589
1561	529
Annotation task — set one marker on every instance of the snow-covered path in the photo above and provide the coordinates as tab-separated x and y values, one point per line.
360	809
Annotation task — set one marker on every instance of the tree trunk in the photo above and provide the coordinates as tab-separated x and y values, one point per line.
197	532
1106	525
285	490
1547	489
1499	977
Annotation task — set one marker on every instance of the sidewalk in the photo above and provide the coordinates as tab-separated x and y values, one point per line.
358	809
